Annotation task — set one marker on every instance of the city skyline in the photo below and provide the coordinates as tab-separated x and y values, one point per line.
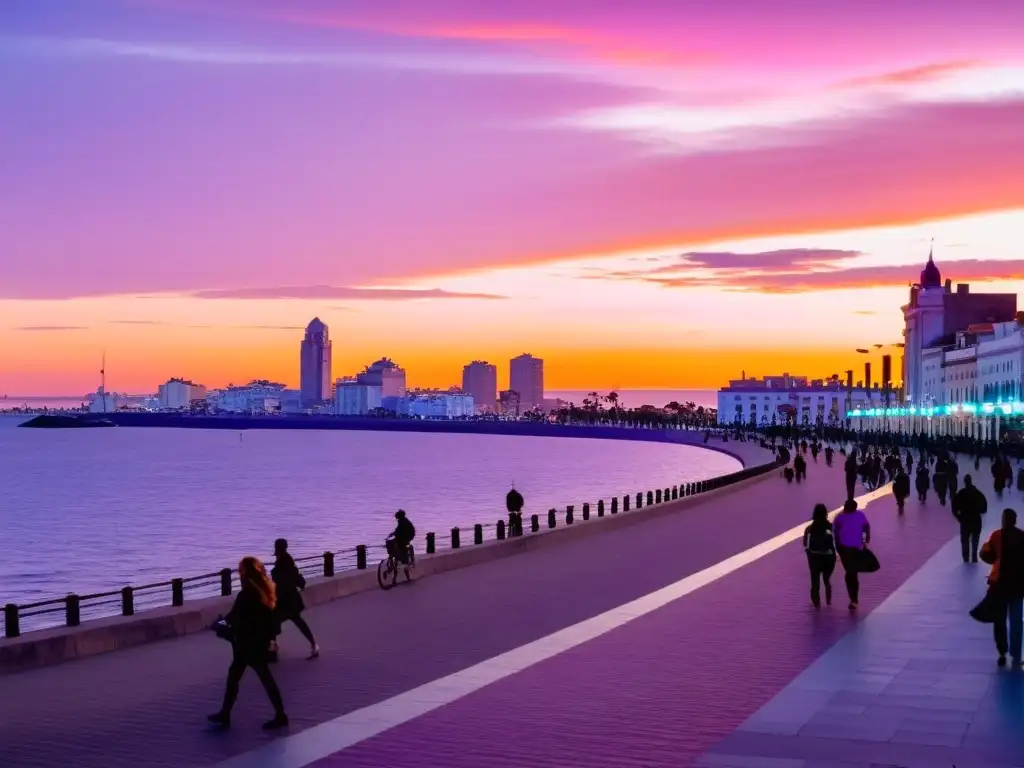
604	187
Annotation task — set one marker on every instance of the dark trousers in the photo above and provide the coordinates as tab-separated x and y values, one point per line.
821	567
848	557
851	485
301	625
970	537
1010	611
515	524
257	659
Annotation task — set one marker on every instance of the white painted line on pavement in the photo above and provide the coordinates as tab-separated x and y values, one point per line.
338	734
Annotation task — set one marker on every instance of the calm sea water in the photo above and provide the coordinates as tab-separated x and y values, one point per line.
92	510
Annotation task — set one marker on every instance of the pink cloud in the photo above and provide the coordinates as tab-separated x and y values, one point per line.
339	292
766	280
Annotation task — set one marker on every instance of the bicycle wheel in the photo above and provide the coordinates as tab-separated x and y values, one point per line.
410	565
385	574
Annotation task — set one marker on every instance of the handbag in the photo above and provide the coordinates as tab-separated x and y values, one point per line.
986	612
866	561
223	630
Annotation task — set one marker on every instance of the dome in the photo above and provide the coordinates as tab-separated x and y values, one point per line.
930	276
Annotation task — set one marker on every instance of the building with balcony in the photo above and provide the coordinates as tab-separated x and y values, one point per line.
932	318
779	399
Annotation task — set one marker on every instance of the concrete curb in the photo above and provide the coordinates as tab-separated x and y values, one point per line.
60	644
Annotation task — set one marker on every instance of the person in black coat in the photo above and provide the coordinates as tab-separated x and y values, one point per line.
901	488
821	554
969	505
922	482
289	581
514	504
253	625
852	470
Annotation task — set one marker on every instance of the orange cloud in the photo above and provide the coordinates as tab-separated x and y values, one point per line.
832	278
925	73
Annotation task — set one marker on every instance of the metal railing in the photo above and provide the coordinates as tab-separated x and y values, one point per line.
19	618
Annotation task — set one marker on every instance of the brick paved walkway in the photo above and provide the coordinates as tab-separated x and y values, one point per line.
147	705
662	689
913	686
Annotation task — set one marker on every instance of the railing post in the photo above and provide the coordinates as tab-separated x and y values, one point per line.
478	534
534	523
430	543
675	492
127	602
639	500
225	582
455	538
361	557
328	563
72	610
650	498
657	496
12	624
625	503
177	592
667	492
552	515
500	530
568	515
600	508
586	510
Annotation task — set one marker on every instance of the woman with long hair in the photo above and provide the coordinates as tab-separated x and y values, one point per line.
821	554
253	624
288	580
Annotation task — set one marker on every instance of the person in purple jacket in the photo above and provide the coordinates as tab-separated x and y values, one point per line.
852	532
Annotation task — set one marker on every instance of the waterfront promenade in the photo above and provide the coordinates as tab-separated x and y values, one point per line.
645	646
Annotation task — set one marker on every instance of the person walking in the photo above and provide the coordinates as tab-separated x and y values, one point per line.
901	488
852	470
952	475
940	480
969	505
819	544
1004	551
800	467
253	626
852	532
514	504
288	581
829	453
922	482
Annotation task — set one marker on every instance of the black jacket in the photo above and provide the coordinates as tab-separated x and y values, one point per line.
970	504
514	501
253	624
901	485
405	531
288	580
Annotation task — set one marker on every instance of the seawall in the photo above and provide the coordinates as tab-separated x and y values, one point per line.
748	454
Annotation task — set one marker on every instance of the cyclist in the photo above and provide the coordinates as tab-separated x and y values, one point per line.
403	535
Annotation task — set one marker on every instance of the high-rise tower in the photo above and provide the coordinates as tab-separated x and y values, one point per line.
315	365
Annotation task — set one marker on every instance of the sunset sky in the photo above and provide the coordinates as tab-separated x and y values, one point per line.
649	193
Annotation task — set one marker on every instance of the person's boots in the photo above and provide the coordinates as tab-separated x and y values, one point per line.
828	594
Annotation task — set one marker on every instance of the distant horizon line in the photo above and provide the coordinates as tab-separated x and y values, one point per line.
568	389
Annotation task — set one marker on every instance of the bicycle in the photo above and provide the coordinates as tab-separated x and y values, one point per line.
387	569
